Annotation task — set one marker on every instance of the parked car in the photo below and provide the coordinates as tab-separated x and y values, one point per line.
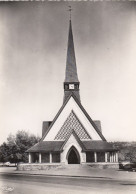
129	166
7	164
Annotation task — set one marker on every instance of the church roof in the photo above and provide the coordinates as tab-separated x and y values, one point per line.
71	70
57	146
84	111
98	146
46	146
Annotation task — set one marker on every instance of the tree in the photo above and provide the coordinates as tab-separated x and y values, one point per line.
127	151
14	149
4	152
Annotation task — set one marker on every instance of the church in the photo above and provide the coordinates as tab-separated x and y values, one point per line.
72	137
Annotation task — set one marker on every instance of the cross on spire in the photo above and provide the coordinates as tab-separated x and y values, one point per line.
70	9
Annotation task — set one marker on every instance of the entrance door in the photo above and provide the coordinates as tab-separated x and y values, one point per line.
73	156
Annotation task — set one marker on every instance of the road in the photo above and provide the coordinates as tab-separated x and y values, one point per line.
43	184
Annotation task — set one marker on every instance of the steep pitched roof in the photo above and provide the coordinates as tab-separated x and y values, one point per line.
84	111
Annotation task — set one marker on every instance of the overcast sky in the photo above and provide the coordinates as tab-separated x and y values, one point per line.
33	45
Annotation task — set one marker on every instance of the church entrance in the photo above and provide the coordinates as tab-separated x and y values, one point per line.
73	156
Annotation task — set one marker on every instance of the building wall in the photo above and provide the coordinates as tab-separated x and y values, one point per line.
45	126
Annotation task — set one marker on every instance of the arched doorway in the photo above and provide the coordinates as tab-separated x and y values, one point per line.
73	156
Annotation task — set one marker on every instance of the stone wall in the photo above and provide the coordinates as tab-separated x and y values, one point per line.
30	167
104	165
33	166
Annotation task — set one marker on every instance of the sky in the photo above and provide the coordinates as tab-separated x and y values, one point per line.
33	46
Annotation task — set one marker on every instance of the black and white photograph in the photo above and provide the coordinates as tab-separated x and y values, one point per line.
68	97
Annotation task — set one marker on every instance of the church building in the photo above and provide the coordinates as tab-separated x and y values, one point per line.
72	137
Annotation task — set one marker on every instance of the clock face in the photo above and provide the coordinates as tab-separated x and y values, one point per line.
71	86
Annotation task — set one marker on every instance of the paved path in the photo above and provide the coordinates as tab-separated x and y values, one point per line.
33	184
79	171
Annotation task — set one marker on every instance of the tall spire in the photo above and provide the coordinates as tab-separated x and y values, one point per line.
71	83
71	70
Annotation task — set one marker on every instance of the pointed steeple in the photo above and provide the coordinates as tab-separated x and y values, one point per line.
71	70
71	83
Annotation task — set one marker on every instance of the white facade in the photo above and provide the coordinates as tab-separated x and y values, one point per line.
71	106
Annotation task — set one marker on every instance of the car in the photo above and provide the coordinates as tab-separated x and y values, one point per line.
128	166
7	164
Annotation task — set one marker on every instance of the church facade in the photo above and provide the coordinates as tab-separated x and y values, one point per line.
72	137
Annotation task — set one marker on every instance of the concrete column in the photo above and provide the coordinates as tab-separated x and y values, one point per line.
50	157
40	158
116	156
106	158
30	158
95	157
